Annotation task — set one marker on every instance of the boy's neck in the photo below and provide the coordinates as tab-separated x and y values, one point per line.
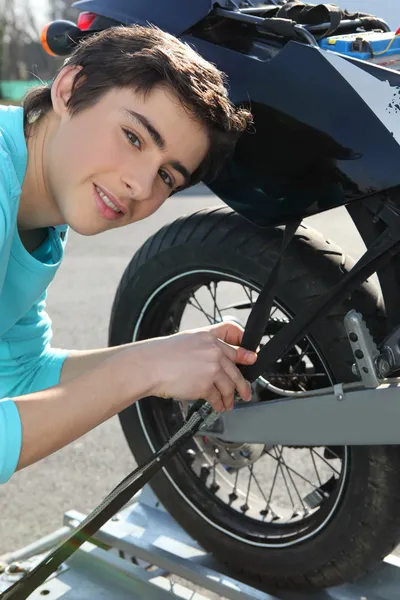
35	206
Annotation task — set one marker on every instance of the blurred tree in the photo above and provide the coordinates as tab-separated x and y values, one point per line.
61	9
21	54
2	28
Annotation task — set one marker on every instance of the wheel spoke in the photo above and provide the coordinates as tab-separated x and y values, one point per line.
273	484
286	484
196	304
285	481
291	479
236	480
214	467
315	467
295	472
212	288
302	355
257	484
288	491
245	506
249	294
313	451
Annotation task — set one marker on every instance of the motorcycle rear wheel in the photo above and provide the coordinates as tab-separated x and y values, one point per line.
342	527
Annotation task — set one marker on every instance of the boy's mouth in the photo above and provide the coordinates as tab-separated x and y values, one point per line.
105	205
110	200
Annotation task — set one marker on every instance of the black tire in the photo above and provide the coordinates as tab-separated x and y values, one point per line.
366	524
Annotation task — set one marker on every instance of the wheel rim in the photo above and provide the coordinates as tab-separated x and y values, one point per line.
253	518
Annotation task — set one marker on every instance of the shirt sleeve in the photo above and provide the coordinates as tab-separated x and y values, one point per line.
10	422
10	438
5	217
33	365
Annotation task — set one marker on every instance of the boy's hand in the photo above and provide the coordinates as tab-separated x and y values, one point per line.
232	334
200	363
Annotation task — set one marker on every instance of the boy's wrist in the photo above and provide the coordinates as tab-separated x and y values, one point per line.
137	374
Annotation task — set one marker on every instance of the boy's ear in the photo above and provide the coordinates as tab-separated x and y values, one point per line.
61	89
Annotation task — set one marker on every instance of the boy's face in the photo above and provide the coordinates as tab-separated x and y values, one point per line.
133	150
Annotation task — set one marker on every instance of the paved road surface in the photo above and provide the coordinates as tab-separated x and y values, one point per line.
34	501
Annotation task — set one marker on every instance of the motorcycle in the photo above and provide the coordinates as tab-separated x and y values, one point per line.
301	487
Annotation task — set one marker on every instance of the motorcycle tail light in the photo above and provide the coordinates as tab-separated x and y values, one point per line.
85	20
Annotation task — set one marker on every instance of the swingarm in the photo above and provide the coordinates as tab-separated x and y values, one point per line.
360	413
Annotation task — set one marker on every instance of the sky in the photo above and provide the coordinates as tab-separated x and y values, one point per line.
41	11
41	7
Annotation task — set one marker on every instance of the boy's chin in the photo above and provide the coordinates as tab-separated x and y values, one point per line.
88	228
89	231
87	222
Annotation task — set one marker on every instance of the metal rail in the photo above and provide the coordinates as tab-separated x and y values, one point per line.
146	550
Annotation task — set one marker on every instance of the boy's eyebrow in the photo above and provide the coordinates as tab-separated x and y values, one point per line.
178	166
158	140
154	134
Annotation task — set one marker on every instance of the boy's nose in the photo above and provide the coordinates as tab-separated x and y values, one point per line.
139	185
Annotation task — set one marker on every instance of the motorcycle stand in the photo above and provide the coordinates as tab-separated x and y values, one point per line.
142	553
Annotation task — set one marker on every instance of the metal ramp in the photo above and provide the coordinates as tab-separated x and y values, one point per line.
145	555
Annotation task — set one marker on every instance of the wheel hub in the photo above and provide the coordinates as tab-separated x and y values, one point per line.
231	454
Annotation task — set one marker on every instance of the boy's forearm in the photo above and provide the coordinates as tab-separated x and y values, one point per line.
79	362
57	416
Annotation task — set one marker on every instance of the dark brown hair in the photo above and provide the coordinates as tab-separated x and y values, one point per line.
144	57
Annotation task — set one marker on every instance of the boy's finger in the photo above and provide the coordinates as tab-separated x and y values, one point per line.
228	332
245	357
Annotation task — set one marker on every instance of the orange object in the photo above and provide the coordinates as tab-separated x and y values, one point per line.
43	40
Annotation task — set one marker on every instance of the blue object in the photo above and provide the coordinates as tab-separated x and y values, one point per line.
365	46
27	361
10	438
174	16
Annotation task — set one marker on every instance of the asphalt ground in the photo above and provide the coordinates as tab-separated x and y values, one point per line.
78	477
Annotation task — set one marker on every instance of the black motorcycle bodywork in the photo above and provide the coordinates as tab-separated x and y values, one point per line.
174	16
327	126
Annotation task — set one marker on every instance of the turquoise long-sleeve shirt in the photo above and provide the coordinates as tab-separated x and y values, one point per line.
28	363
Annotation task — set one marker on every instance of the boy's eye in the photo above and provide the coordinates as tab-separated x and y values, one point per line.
134	140
166	178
